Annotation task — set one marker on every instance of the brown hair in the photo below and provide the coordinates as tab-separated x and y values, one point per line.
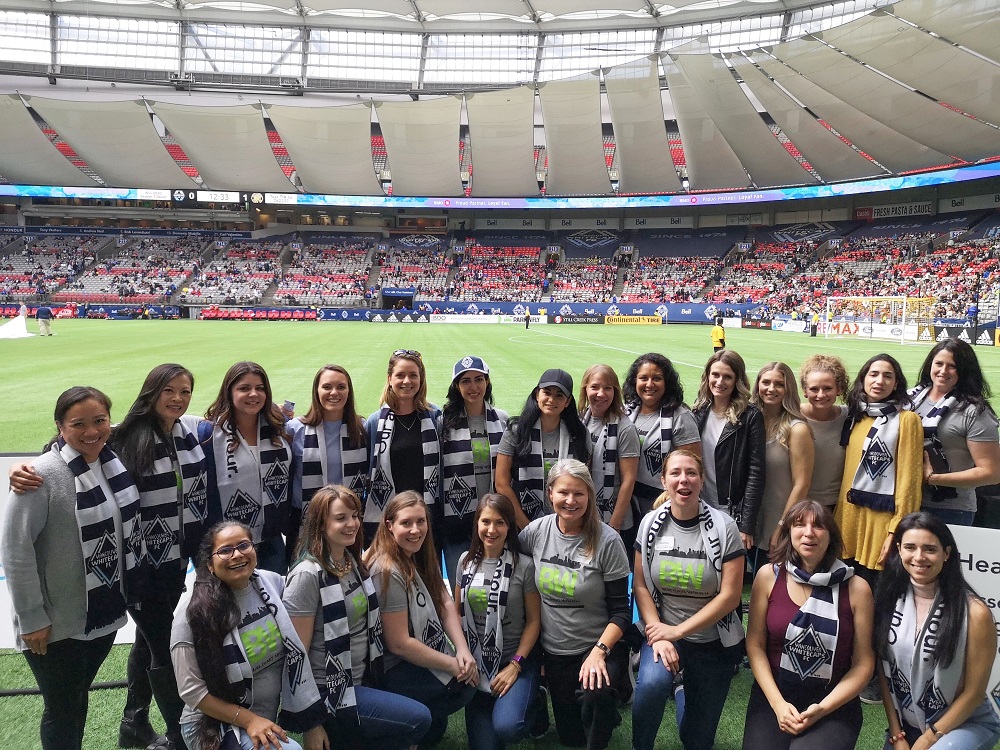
740	399
220	411
679	453
355	425
830	365
782	551
616	410
312	536
420	398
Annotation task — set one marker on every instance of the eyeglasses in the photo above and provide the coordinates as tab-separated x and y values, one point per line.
243	548
406	353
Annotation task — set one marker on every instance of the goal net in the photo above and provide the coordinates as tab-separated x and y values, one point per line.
902	319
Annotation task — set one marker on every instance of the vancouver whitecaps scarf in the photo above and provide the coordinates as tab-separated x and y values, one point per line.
425	623
921	690
458	465
339	687
530	487
932	442
810	643
251	491
104	563
174	497
353	462
604	466
488	650
715	538
382	488
653	452
874	484
301	705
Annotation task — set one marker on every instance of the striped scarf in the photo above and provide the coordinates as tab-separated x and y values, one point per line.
382	488
810	644
654	451
353	462
932	443
458	466
338	690
251	491
874	484
604	466
173	496
110	572
530	483
489	650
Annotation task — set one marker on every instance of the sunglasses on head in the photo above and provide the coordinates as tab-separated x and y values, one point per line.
406	353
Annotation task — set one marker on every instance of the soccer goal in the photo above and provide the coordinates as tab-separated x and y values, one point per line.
902	319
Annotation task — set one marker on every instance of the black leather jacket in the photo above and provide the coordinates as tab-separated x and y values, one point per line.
739	465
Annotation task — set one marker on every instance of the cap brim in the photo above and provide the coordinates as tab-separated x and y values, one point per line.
552	384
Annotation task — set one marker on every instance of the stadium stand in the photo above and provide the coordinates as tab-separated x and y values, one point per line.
327	273
240	274
583	280
424	269
504	274
45	266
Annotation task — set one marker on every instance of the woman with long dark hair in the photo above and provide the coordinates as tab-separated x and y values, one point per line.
329	446
935	639
70	550
426	657
471	428
332	602
547	430
808	639
732	441
961	440
500	609
654	401
249	459
404	445
882	479
236	654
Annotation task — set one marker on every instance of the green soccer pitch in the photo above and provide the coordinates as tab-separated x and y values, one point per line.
116	355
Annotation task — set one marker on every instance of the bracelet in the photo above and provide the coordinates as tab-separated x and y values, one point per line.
238	709
602	647
894	738
517	660
937	733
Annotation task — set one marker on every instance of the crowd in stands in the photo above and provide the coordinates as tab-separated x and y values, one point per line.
239	275
422	268
669	279
44	266
502	274
583	280
755	274
327	274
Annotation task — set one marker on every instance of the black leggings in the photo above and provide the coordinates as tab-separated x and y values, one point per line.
836	731
584	718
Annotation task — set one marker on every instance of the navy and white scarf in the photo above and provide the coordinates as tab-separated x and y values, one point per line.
425	623
302	708
715	538
604	466
382	488
530	482
921	690
458	467
174	497
487	651
874	484
338	690
654	451
110	572
932	442
810	643
353	463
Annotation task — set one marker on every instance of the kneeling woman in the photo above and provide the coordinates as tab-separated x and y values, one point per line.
235	651
691	557
581	571
427	658
500	610
333	606
808	639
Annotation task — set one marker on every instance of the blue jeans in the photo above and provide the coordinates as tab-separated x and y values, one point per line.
388	721
979	732
189	731
708	670
951	516
493	723
422	686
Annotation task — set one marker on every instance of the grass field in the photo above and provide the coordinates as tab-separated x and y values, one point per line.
116	355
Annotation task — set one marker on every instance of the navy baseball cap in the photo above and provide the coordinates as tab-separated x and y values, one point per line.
470	364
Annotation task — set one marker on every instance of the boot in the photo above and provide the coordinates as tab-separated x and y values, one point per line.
135	729
164	685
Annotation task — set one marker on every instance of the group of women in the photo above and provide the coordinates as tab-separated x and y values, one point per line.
540	518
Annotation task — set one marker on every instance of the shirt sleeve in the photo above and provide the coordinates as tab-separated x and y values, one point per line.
685	429
395	598
983	428
628	440
191	685
613	557
301	597
507	444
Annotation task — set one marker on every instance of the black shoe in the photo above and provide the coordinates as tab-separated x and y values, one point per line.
139	734
540	722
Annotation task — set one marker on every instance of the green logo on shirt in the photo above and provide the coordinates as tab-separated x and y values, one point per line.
556	580
481	451
677	575
262	641
359	602
477	600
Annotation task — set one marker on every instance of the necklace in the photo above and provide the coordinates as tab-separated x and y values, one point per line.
411	425
343	567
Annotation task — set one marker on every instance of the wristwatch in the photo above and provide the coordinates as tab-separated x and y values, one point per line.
605	649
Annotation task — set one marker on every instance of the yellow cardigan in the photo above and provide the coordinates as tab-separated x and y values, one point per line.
865	530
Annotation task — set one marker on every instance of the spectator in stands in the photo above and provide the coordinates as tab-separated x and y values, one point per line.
961	441
732	441
548	430
654	401
471	429
824	380
790	453
43	313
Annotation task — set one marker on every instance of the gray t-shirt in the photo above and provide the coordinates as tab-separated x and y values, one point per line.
550	454
685	432
522	582
683	575
828	469
302	599
714	425
955	430
571	583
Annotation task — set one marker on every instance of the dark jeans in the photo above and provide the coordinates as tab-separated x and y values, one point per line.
387	721
836	731
584	717
422	686
64	676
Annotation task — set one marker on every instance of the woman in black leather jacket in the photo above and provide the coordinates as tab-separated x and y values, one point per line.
732	441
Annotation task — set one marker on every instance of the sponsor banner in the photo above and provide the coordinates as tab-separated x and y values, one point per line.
399	291
969	203
633	320
520	318
399	316
482	318
787	324
127	232
894	211
747	323
659	222
732	322
510	223
742	220
577	318
984	336
583	224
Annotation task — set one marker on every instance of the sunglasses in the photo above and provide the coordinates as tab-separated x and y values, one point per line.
227	552
406	353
